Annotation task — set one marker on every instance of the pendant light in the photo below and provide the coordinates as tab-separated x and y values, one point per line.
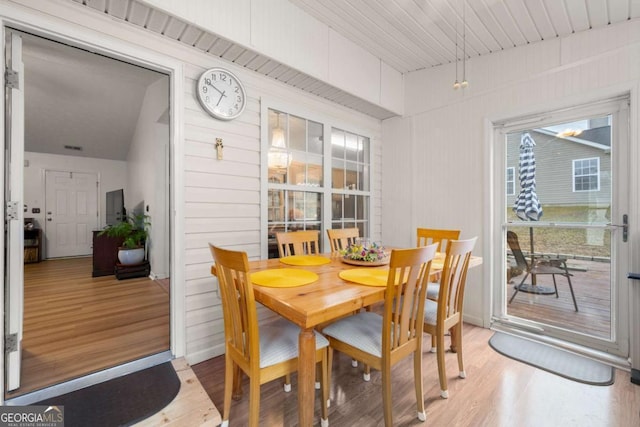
279	157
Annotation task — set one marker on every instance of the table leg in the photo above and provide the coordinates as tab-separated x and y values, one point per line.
306	376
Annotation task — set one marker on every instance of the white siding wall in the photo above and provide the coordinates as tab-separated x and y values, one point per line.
282	31
221	197
447	131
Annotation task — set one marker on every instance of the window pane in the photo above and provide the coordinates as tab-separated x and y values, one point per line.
314	170
363	150
337	144
351	176
315	140
349	207
337	174
351	145
363	207
336	206
297	134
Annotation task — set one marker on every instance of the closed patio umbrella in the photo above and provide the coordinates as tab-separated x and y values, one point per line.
527	206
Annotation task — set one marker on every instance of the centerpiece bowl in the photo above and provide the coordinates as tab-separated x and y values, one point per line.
365	253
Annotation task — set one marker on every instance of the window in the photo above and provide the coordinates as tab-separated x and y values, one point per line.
586	174
511	181
298	186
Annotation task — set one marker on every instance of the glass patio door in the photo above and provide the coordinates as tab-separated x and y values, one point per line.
565	206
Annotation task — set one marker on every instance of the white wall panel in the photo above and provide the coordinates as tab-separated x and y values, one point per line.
352	68
287	34
391	89
448	132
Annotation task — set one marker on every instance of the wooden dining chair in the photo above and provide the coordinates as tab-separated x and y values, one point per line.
446	313
427	236
539	266
341	238
382	341
262	352
297	243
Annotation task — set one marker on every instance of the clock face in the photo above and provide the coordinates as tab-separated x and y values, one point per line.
221	94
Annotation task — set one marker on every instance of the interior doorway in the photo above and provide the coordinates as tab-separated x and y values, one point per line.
108	122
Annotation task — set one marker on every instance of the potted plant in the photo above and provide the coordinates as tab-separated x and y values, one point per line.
134	230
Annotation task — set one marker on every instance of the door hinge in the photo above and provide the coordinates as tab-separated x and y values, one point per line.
11	343
11	79
11	212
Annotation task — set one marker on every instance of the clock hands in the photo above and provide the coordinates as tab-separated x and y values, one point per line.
222	95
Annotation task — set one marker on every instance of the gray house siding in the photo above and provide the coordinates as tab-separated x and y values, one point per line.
554	171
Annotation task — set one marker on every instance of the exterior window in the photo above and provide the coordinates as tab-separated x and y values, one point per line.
511	181
586	174
297	186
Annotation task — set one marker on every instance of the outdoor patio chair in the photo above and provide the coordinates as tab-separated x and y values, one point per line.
538	266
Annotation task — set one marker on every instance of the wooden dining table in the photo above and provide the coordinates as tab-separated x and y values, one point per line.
309	306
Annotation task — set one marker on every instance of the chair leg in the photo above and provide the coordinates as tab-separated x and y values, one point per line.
287	383
433	343
458	338
228	388
417	378
325	368
517	287
386	394
575	304
254	402
237	382
555	285
442	372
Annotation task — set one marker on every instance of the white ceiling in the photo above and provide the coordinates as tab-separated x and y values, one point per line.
80	99
411	35
406	34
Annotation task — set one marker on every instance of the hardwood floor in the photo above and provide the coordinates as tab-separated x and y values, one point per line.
498	391
75	324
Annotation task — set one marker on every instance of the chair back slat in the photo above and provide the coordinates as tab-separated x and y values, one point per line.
514	245
341	238
238	302
298	243
454	277
427	236
404	298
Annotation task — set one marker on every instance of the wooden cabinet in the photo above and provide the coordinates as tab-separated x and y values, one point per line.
32	245
105	254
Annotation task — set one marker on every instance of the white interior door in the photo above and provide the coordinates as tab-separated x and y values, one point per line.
14	242
71	202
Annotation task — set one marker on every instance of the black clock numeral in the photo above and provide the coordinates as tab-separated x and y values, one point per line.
205	89
223	77
237	89
207	81
207	99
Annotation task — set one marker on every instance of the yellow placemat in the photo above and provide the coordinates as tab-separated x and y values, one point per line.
366	276
283	277
305	260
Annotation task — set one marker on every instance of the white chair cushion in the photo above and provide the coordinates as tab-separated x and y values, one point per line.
362	330
279	342
430	312
433	290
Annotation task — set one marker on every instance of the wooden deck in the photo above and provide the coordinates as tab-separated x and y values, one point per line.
591	285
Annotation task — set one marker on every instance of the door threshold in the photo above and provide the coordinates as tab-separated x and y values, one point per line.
89	380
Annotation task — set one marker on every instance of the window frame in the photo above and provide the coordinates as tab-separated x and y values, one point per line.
574	176
326	189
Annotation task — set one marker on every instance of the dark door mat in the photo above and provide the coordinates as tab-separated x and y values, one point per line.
122	401
550	359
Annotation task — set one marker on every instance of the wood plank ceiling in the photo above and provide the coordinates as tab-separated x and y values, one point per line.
408	35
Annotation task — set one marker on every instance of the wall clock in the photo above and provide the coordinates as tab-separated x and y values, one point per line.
221	94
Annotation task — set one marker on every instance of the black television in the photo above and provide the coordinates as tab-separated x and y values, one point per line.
115	211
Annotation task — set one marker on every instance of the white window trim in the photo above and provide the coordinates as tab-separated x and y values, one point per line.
328	123
573	174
